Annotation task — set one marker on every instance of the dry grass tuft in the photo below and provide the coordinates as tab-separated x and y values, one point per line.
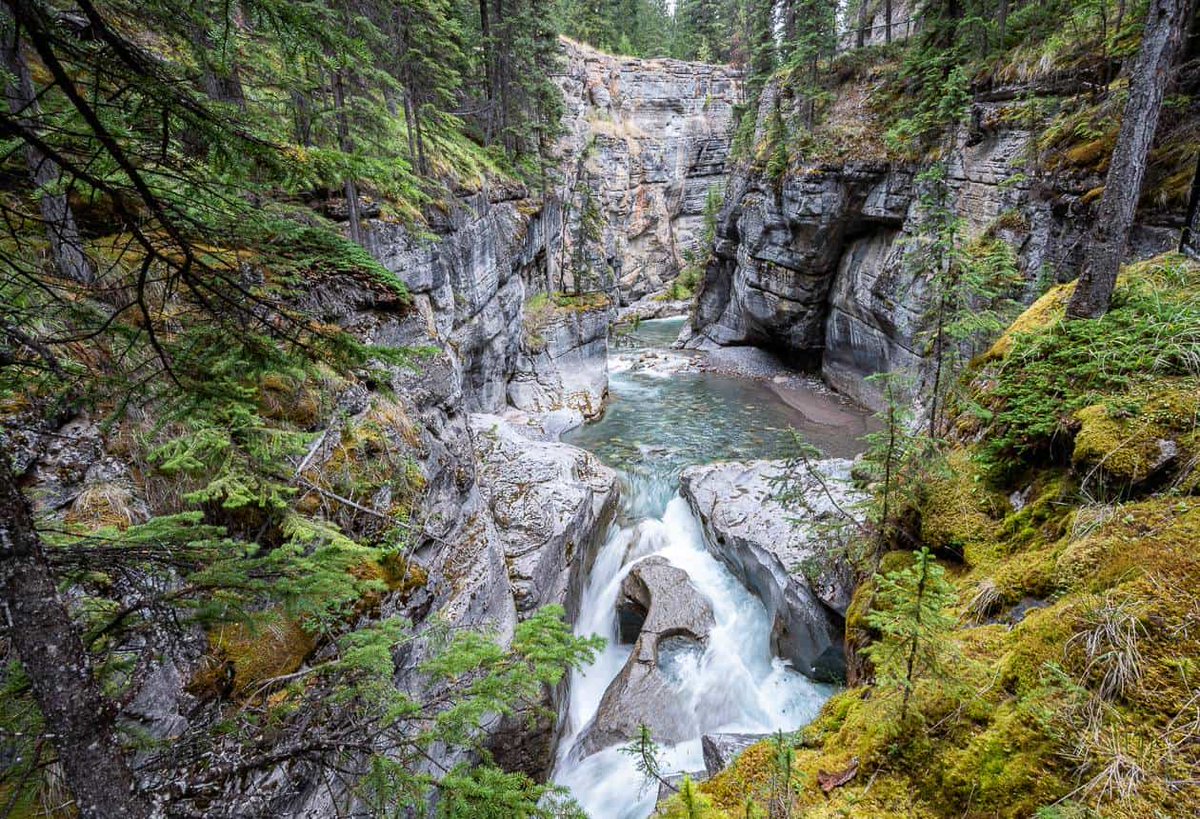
106	503
1108	637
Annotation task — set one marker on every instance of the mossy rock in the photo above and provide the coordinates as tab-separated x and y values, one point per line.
1031	573
288	397
958	509
244	655
1043	313
393	572
1050	498
1036	641
1129	442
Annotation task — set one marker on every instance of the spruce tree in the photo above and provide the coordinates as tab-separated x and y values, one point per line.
910	612
185	199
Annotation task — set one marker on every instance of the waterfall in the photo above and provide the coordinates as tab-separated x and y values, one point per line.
736	684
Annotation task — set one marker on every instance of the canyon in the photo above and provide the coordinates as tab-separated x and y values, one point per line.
518	298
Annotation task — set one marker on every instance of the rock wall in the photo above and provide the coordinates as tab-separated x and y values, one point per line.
790	558
471	279
645	141
814	264
507	523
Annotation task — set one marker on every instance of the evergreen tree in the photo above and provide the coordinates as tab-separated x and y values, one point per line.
972	284
909	611
813	39
760	18
703	30
165	154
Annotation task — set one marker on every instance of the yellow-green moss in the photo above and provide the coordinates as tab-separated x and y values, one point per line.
1123	442
287	397
1050	308
958	509
1009	769
1017	720
242	656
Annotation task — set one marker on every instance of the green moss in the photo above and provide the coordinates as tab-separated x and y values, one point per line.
1018	721
1034	381
1128	441
1008	769
957	515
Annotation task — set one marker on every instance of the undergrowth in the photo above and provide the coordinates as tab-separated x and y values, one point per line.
1071	691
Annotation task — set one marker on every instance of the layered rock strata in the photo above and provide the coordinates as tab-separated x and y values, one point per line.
818	264
646	140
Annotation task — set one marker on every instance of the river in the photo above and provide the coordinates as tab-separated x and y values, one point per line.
665	416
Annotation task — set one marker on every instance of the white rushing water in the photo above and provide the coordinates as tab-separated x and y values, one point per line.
735	685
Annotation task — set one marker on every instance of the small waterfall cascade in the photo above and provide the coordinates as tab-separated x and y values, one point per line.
666	415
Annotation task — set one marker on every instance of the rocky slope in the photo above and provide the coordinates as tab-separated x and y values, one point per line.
500	518
1075	597
646	140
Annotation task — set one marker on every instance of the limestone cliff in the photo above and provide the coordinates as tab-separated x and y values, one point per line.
816	262
645	141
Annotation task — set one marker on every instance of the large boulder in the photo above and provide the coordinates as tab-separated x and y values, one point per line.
550	505
789	556
675	621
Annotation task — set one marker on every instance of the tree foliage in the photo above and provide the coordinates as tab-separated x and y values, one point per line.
175	174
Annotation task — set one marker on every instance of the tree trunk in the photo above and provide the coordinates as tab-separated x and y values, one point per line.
220	84
60	673
489	70
65	244
887	21
861	39
1161	41
343	129
1189	242
501	92
911	663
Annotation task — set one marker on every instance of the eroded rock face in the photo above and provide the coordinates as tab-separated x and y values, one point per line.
563	363
506	519
814	264
645	141
787	556
550	502
675	626
470	282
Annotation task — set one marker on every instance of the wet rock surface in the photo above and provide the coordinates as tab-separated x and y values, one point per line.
787	555
550	503
720	750
675	623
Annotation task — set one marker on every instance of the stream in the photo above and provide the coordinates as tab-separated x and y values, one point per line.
664	416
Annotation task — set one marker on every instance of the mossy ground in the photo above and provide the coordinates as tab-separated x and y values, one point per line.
1071	685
